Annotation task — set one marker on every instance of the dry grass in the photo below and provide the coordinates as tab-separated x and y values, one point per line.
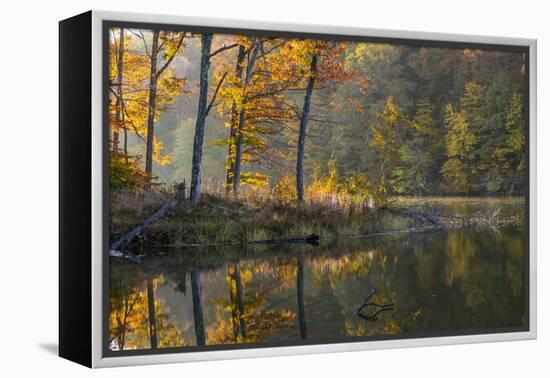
262	215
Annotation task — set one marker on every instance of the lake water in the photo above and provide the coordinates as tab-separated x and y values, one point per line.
429	284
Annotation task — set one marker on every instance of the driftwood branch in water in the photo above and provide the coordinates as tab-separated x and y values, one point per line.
489	219
126	239
416	215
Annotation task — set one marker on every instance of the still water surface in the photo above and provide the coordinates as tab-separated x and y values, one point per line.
462	281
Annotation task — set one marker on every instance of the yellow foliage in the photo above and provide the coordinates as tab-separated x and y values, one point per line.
285	190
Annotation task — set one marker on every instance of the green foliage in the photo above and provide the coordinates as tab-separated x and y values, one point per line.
472	104
458	170
509	158
387	135
416	153
126	173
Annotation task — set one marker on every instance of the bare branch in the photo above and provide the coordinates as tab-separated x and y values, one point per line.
214	95
161	70
221	49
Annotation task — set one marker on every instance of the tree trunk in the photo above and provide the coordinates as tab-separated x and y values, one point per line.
303	129
238	153
119	112
125	148
152	105
300	297
206	43
242	120
234	124
182	282
152	321
197	307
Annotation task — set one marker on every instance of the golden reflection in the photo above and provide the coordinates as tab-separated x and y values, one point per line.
139	320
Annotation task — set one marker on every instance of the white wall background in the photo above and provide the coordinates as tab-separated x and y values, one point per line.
28	189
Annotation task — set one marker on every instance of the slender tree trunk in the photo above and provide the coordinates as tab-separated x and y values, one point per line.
300	295
240	294
242	121
197	307
152	105
238	153
206	43
182	282
303	129
124	129
152	322
125	144
119	90
234	123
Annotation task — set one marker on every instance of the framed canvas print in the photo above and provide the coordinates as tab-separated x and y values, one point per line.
234	189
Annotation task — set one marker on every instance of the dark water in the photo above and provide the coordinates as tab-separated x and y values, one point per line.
464	281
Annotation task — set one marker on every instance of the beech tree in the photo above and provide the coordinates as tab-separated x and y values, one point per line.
202	111
303	127
323	64
239	132
234	121
254	98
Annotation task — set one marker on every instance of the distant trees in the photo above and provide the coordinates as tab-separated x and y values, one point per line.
386	140
509	158
459	168
456	103
416	153
485	140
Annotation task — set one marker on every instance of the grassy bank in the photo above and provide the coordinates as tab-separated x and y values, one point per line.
220	219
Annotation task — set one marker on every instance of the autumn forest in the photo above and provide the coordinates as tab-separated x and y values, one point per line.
277	170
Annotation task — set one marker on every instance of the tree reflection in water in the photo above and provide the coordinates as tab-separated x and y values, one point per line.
460	280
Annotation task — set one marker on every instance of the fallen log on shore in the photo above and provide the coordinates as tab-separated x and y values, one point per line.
172	202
